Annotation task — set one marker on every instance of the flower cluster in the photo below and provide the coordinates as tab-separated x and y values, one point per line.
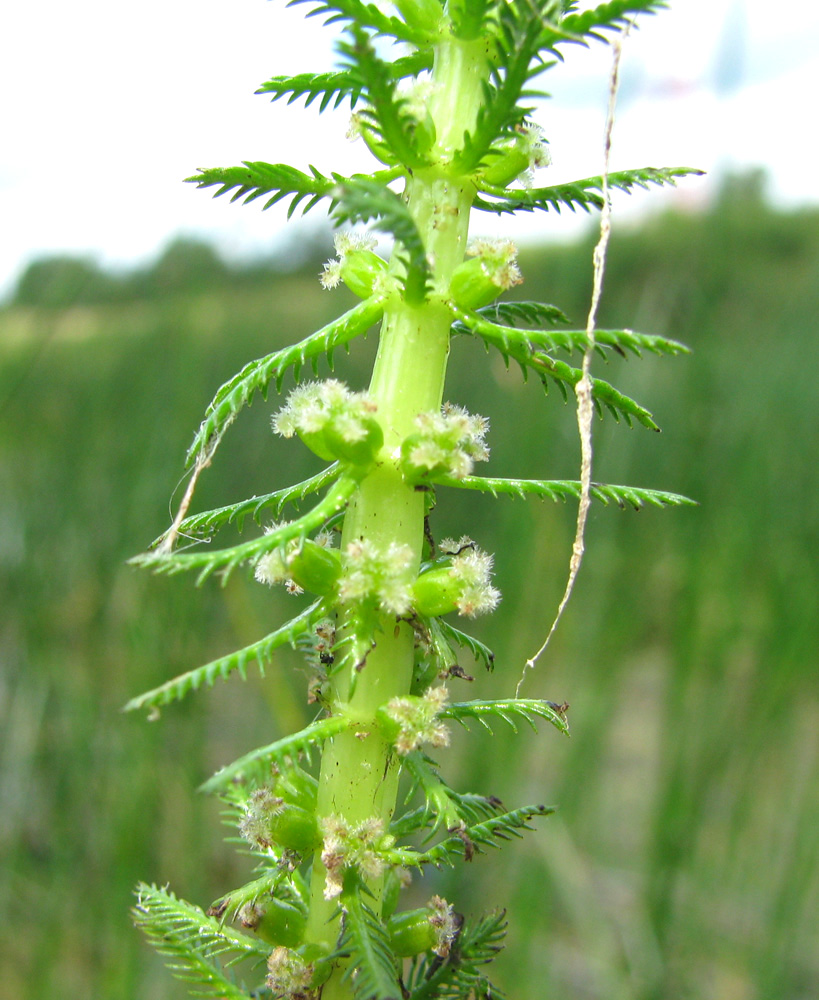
370	573
462	583
445	924
288	975
255	825
471	568
333	421
446	444
360	847
414	720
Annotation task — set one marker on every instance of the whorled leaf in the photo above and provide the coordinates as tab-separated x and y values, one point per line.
636	497
206	675
387	114
519	30
514	344
370	964
193	941
226	560
585	194
469	841
205	524
509	710
256	376
255	766
443	806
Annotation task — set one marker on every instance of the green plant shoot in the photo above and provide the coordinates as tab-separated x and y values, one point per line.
340	815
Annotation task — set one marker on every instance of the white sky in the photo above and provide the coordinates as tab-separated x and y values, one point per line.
105	106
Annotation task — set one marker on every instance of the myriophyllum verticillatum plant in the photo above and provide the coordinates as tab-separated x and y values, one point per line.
340	816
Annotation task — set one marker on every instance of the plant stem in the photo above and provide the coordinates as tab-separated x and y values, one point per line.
359	775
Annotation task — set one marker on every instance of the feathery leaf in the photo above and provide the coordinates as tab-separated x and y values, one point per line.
261	652
566	489
483	654
226	560
371	965
513	343
254	179
365	15
340	84
257	375
278	881
470	840
616	340
613	16
204	525
507	709
586	194
192	941
513	311
255	766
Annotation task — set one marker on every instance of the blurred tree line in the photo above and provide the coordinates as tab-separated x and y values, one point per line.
187	265
683	862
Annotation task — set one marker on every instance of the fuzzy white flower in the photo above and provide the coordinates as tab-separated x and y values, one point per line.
447	442
347	846
499	260
417	720
370	573
314	405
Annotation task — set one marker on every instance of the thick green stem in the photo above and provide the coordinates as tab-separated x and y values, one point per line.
359	773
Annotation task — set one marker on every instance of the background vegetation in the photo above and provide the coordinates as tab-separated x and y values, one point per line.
683	862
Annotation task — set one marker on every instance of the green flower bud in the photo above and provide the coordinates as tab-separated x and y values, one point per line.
314	568
359	271
410	721
294	829
297	972
503	168
271	821
464	584
446	443
506	162
356	444
411	933
436	592
432	928
275	921
356	265
492	269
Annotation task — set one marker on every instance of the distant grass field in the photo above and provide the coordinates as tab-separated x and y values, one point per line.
684	859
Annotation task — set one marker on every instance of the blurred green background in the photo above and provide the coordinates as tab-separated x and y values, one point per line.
684	859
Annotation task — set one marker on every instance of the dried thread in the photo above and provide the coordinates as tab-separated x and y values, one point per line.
583	389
